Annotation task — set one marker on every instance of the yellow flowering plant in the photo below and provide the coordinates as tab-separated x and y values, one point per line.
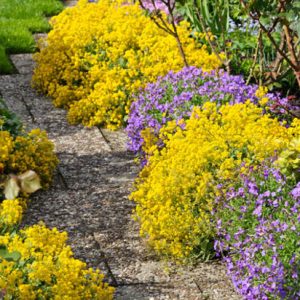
99	54
36	263
32	151
175	191
11	212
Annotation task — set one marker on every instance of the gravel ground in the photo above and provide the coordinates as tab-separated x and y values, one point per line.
89	200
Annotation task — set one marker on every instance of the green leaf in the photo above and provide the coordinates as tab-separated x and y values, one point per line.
9	256
3	251
13	256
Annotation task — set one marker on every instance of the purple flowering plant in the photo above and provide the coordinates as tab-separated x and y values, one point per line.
258	229
173	97
153	5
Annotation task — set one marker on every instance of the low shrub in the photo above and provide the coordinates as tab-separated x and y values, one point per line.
258	235
98	54
173	97
32	151
175	191
36	263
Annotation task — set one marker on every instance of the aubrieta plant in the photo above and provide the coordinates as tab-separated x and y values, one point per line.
173	97
258	235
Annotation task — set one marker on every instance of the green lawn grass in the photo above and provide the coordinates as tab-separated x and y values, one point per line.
18	20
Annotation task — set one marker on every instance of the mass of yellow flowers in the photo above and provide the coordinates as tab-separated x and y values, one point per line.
99	54
32	151
11	212
175	191
45	268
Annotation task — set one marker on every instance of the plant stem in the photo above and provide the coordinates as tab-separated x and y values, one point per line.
291	48
255	58
164	26
212	46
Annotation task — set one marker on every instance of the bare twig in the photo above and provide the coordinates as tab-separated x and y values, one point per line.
255	58
275	71
292	51
162	24
283	54
291	56
261	58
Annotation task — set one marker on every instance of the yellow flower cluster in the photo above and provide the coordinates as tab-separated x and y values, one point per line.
98	54
6	146
46	269
261	94
11	212
32	151
175	191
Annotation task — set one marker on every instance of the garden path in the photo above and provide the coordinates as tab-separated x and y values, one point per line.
88	199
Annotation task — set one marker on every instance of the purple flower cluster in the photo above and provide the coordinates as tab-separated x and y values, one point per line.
153	5
258	229
173	97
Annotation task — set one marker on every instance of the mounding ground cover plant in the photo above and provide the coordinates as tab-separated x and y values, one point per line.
98	54
258	234
175	191
173	97
32	151
35	262
21	151
18	20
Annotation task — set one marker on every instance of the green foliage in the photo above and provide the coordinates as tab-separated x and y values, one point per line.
289	160
5	64
214	13
254	36
18	20
9	256
9	121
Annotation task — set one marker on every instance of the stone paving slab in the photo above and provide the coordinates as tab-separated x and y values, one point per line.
89	200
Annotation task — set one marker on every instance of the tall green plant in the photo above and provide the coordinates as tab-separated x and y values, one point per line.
210	17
